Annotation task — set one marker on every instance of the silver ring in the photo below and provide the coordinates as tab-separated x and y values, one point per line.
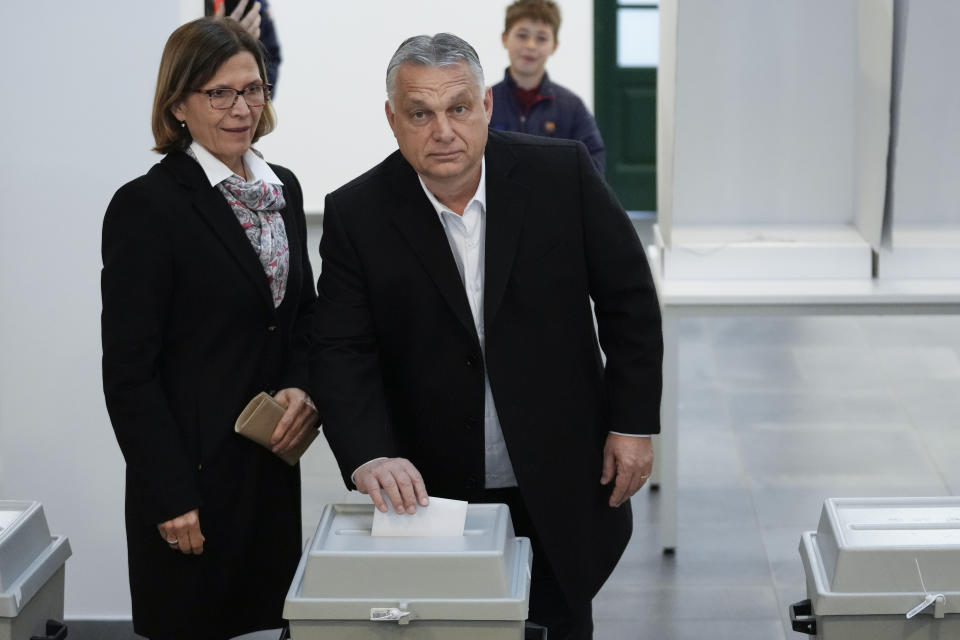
173	542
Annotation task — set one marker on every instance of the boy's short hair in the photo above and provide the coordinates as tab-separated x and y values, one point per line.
545	11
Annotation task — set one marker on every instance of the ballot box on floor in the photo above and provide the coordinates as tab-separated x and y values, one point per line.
351	585
31	573
882	569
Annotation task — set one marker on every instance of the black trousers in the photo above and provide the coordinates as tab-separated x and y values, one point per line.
549	606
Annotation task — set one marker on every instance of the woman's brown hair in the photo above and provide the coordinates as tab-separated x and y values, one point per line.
192	55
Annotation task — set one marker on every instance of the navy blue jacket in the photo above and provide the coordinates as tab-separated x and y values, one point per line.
271	46
559	114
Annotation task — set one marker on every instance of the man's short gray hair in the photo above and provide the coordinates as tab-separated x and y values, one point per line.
441	50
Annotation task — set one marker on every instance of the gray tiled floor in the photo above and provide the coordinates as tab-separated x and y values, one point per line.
775	416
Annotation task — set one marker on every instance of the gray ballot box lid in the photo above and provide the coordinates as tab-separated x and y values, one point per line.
345	573
883	555
29	555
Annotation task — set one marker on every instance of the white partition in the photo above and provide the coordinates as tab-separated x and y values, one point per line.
666	109
777	137
924	239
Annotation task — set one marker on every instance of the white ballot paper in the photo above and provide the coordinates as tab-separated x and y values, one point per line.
442	517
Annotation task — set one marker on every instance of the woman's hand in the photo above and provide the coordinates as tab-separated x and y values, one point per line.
183	533
249	22
300	416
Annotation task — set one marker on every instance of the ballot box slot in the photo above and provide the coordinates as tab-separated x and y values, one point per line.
906	526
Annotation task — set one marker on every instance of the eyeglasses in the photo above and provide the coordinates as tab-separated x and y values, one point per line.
222	99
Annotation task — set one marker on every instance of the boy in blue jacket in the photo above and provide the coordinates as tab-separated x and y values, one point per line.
526	100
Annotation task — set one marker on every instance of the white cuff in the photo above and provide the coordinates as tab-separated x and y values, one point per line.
358	469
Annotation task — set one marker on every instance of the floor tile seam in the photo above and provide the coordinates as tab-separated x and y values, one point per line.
662	627
766	551
726	414
718	528
727	417
866	350
781	604
674	587
755	386
891	388
740	473
704	619
690	614
912	346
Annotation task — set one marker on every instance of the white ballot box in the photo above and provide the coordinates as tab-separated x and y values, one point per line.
353	585
31	572
882	569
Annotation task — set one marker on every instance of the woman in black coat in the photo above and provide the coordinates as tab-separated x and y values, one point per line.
207	296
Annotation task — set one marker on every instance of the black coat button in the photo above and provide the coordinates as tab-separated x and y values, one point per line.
272	328
472	423
471	483
471	361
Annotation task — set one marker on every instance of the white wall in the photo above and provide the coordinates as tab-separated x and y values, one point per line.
330	100
81	78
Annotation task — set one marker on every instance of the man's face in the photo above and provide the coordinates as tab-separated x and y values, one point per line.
440	122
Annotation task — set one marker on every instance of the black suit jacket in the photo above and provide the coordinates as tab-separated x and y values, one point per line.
190	334
397	362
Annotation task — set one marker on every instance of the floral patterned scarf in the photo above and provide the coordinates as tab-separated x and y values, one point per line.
257	205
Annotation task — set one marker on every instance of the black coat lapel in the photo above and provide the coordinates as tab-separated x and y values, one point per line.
213	208
506	203
294	242
419	224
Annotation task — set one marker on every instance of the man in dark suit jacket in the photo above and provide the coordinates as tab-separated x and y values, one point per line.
454	345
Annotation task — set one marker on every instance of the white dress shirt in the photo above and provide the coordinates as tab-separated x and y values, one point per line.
467	237
217	172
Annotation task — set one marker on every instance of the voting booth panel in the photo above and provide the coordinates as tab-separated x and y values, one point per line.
882	569
773	129
352	585
31	573
923	230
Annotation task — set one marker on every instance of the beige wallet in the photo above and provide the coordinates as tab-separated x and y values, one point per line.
258	420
